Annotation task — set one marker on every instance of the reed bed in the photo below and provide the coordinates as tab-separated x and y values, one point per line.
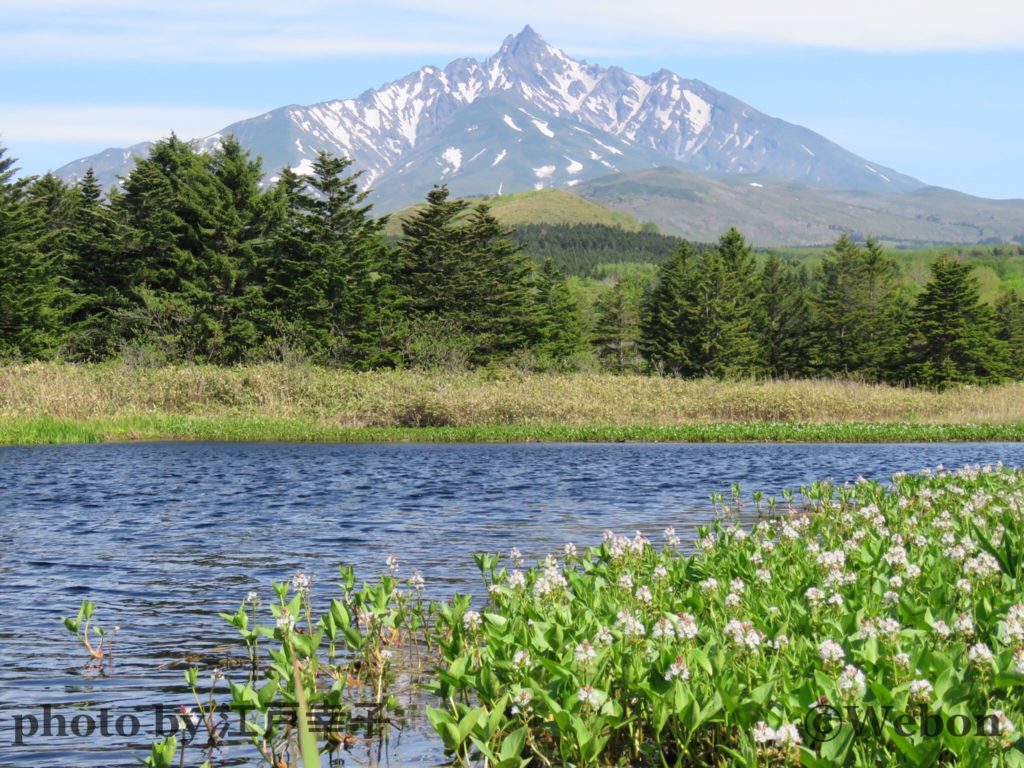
284	402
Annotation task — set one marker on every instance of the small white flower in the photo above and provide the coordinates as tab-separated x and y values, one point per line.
285	621
663	629
626	581
522	701
252	597
963	625
787	736
570	550
416	581
831	652
678	669
604	636
979	654
660	573
889	628
643	594
732	600
852	682
584	653
392	563
301	583
1002	725
902	660
763	734
589	696
516	579
814	596
471	621
709	585
670	537
631	625
921	691
521	659
516	557
687	626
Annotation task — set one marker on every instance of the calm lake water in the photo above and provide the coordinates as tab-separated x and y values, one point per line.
162	536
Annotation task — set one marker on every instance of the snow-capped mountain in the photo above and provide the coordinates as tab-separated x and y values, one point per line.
529	117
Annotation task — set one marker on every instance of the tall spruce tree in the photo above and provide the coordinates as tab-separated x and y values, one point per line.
955	334
32	298
1010	318
785	327
324	267
99	276
727	311
668	316
182	275
458	269
616	331
558	332
860	311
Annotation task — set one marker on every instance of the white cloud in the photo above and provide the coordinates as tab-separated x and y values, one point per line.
111	124
222	30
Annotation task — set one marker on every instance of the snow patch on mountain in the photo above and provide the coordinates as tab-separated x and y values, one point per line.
879	173
512	124
574	166
541	126
613	150
304	168
698	114
501	156
544	172
453	157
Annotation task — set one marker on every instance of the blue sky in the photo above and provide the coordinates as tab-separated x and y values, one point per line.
935	90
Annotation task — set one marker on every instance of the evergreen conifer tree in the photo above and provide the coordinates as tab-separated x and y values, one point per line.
860	312
31	295
668	331
558	325
785	318
616	331
954	337
1010	318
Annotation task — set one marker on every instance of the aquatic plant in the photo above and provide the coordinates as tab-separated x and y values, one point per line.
776	645
79	627
866	624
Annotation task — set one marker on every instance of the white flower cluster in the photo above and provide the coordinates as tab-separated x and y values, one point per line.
631	625
678	670
785	736
831	652
551	580
744	635
1015	623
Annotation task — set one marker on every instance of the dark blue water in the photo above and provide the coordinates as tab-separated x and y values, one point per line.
163	536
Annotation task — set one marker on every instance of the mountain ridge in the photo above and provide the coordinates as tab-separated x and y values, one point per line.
540	119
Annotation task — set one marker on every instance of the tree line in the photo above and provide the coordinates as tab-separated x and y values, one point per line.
192	258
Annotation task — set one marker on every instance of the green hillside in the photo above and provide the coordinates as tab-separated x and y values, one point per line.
777	213
546	206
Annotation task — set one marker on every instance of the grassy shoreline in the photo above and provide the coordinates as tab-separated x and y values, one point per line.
47	403
49	431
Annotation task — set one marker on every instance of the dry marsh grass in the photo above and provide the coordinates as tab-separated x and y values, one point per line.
410	398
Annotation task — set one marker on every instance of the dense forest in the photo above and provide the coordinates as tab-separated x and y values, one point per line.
581	249
192	258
